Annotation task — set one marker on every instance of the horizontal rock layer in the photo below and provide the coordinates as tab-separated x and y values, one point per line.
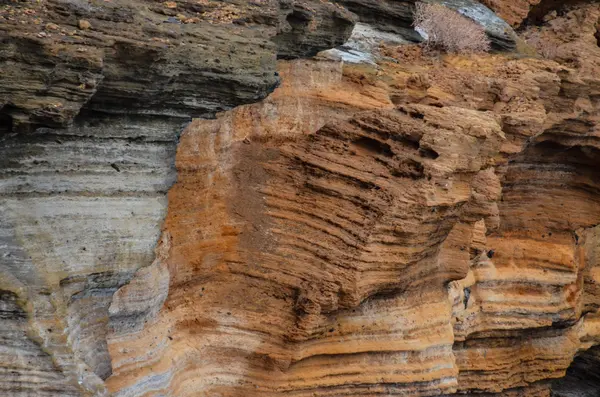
93	98
81	212
182	58
421	228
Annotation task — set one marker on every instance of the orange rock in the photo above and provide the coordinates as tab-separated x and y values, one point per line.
402	230
512	11
427	226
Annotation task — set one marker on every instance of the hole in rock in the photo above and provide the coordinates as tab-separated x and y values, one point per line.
408	168
6	123
429	153
297	20
538	12
374	146
6	118
583	376
417	115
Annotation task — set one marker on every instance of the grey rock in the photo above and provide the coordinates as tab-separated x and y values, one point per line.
583	377
307	26
131	62
74	230
501	34
89	125
363	45
31	367
386	15
397	17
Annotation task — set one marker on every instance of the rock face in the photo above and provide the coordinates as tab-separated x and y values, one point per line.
397	17
409	226
423	228
173	59
93	98
501	35
582	378
81	211
513	11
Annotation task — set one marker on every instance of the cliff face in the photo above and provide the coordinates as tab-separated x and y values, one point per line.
93	97
421	225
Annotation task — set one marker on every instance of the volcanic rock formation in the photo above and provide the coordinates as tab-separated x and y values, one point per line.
93	97
414	225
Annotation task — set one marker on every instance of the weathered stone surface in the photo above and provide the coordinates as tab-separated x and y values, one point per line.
426	226
512	11
582	379
364	44
137	57
310	27
81	211
379	232
501	34
343	249
93	97
397	17
24	362
387	15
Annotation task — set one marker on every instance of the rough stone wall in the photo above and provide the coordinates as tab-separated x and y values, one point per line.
424	226
416	228
93	98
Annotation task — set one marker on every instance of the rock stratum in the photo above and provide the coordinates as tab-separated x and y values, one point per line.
412	225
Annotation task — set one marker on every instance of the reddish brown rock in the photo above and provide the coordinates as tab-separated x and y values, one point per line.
380	232
512	11
424	226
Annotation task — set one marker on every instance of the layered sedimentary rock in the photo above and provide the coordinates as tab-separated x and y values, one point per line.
93	98
413	225
512	11
181	58
421	228
81	211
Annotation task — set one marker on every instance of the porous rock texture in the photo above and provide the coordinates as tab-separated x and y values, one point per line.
183	58
93	98
513	11
426	225
422	228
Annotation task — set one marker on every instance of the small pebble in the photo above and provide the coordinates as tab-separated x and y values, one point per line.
84	25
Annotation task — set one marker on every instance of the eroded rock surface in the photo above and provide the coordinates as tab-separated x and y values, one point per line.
413	225
93	98
397	17
181	58
421	228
